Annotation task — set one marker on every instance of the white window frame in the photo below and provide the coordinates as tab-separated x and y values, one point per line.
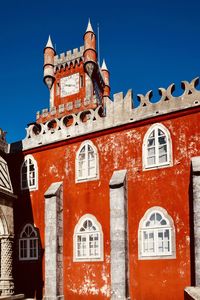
156	254
87	234
87	176
157	164
27	243
29	186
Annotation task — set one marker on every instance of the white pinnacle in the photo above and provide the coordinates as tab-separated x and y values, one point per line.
49	43
89	27
104	67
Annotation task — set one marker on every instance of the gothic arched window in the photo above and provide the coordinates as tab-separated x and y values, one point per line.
86	162
28	243
156	234
88	239
29	173
157	149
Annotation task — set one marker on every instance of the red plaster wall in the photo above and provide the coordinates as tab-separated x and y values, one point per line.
168	187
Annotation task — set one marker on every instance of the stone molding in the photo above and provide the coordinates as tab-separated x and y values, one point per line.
118	234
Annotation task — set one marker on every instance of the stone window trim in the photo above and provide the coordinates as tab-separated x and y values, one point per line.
30	186
171	254
87	176
28	243
169	161
98	232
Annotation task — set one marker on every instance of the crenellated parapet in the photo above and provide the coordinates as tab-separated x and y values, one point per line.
68	58
117	112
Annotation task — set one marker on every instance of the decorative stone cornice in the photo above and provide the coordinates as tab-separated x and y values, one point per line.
118	111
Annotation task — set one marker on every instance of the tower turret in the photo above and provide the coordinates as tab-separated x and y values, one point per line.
106	77
90	54
49	54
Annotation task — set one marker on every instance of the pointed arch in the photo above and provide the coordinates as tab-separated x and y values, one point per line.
156	235
88	239
87	162
29	173
157	147
28	243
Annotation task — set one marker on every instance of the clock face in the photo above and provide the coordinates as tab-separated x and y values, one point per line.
69	85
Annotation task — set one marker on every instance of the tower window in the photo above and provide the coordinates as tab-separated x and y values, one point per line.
88	239
157	150
28	243
29	173
86	162
156	234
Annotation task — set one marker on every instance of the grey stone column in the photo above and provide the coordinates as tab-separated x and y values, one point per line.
118	234
196	209
54	242
6	280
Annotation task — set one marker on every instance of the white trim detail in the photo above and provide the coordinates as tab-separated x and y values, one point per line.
28	243
87	162
157	147
88	239
156	235
29	173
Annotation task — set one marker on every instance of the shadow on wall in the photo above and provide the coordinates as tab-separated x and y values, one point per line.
191	220
27	273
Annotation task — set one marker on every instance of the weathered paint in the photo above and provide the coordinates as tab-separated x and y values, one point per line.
168	187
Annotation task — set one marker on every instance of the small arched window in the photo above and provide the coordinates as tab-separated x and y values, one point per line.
156	234
28	243
157	149
86	162
88	239
29	173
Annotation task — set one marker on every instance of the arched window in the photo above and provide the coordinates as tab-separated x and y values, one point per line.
156	235
86	162
28	243
157	149
29	173
88	239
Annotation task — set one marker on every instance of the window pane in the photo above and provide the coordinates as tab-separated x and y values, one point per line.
151	142
160	132
152	134
158	217
151	161
148	242
162	140
93	245
151	151
81	246
166	241
163	158
160	242
163	149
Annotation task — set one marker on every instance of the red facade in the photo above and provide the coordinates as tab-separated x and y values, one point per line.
119	147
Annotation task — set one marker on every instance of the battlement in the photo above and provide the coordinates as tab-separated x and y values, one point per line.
69	57
64	109
118	112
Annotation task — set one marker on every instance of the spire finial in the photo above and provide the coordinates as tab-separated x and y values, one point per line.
49	43
104	67
89	27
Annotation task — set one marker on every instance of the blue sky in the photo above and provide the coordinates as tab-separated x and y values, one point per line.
146	44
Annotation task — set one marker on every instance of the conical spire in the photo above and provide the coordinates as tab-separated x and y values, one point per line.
104	67
49	43
89	27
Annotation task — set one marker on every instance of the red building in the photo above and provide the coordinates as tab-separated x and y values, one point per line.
107	194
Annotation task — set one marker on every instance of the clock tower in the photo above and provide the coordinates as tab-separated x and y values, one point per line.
74	79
